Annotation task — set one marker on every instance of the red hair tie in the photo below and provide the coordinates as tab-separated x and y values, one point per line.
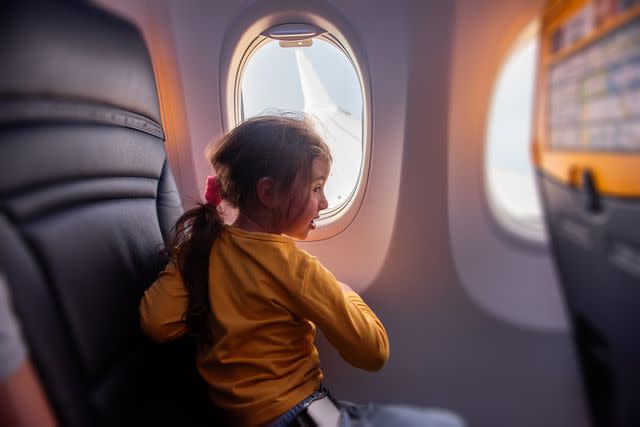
212	192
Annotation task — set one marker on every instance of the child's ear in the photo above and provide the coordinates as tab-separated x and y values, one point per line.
266	192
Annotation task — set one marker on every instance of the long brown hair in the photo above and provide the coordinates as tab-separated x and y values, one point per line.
279	147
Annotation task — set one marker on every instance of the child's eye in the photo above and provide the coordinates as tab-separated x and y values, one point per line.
317	189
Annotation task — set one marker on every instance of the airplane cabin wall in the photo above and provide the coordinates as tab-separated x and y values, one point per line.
447	350
510	277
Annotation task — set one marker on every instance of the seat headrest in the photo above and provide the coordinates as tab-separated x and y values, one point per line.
74	53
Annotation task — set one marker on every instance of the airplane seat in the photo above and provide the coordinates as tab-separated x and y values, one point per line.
87	200
596	255
587	154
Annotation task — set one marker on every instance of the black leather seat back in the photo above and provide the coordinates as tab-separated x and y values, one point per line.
87	199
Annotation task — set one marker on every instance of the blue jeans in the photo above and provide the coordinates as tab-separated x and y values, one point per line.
370	415
288	417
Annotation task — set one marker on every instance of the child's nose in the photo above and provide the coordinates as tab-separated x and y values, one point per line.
324	204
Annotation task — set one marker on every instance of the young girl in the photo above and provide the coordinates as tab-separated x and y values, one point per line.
249	295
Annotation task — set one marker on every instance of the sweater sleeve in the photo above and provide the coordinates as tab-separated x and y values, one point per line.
163	305
343	317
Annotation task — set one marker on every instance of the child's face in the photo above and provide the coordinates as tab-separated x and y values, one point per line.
308	202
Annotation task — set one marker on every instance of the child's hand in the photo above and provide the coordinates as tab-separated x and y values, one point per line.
345	287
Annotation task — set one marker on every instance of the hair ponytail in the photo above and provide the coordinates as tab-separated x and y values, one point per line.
195	233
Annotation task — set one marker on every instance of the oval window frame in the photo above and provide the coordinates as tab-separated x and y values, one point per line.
238	48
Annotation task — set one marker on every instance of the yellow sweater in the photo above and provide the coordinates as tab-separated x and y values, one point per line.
266	297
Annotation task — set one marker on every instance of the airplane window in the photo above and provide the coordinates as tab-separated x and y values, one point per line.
314	76
509	174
